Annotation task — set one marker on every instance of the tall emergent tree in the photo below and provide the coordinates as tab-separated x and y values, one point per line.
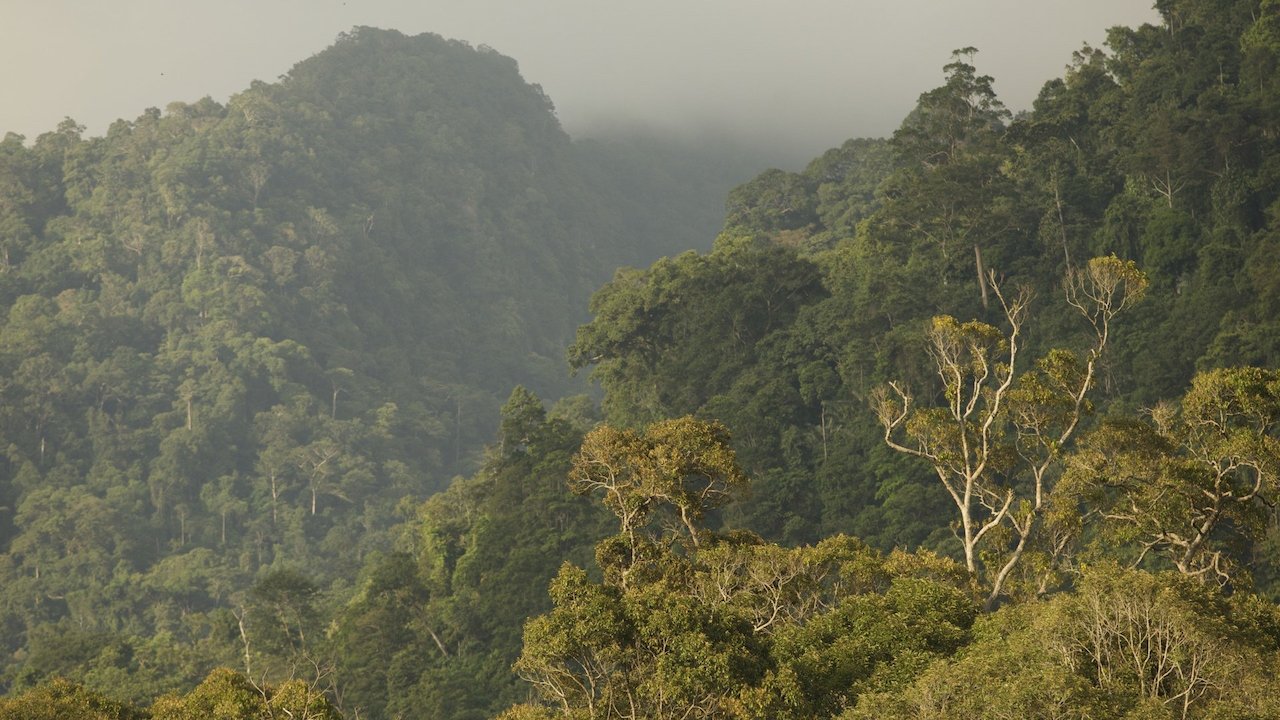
996	445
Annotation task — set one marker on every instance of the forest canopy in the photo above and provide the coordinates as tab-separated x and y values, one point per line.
240	342
978	420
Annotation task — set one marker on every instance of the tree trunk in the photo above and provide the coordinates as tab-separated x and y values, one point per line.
982	283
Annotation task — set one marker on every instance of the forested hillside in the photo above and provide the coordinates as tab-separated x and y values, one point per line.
1030	361
239	342
1160	149
979	420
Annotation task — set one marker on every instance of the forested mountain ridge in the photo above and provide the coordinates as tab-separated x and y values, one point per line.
846	342
1040	346
237	337
1161	150
1028	361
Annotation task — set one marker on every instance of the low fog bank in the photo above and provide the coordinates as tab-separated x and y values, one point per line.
796	78
745	149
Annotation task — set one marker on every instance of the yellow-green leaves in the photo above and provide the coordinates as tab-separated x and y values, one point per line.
1104	288
679	468
229	695
1191	481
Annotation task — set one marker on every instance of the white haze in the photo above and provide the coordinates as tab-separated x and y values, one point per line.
800	75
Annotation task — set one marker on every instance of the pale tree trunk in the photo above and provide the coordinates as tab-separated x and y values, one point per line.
982	284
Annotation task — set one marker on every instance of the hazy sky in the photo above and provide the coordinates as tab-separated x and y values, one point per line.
804	74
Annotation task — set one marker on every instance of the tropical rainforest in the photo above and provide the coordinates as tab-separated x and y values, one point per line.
980	420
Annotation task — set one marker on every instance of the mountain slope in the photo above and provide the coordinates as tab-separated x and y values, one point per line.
236	337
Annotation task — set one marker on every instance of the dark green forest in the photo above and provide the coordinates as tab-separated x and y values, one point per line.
979	420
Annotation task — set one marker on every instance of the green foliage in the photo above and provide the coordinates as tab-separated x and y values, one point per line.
228	695
1193	483
734	627
63	700
1145	155
682	467
239	340
235	337
810	210
1124	644
433	630
1156	156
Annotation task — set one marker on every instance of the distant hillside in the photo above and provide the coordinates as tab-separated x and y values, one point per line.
234	338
